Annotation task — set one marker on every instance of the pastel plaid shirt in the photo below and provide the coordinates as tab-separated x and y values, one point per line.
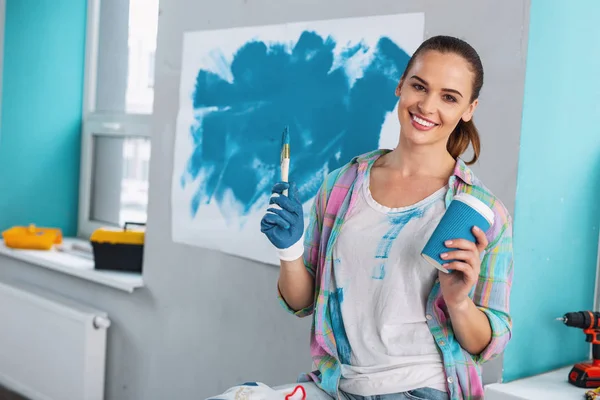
491	293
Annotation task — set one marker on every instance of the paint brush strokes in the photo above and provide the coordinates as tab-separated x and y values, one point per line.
397	222
339	331
333	101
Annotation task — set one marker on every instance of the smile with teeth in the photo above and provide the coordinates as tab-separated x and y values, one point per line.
422	122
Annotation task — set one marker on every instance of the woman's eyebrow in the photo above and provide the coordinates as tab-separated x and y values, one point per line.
423	81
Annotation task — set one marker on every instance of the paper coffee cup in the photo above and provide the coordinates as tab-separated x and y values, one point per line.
464	212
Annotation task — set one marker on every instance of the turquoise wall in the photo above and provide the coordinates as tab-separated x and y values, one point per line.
44	51
558	187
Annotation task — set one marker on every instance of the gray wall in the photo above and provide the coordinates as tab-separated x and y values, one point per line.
499	33
207	320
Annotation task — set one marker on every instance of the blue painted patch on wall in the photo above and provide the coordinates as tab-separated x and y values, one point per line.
333	112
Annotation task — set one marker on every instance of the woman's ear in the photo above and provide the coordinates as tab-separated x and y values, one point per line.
399	87
468	115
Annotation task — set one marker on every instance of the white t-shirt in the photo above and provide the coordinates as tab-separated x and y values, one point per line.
382	284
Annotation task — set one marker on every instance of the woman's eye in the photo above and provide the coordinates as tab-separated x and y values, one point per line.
418	87
449	98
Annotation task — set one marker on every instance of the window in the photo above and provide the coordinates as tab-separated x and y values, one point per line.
119	191
118	103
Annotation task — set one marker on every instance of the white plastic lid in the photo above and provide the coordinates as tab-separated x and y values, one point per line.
478	205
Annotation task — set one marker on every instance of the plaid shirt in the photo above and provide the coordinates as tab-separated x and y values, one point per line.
491	293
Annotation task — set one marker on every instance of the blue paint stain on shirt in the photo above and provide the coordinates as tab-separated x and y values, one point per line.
237	134
397	222
339	332
379	272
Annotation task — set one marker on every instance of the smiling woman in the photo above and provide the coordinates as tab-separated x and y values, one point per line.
386	323
447	99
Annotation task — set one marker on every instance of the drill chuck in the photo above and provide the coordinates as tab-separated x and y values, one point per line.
582	319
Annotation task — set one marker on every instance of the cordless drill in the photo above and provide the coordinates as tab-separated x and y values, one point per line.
586	375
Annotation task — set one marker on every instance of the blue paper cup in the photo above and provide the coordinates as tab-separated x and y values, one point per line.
464	212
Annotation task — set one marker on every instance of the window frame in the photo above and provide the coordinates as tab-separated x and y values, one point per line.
99	123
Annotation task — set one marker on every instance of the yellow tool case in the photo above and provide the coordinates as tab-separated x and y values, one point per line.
119	249
31	237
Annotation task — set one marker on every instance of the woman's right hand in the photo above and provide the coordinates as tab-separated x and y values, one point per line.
283	223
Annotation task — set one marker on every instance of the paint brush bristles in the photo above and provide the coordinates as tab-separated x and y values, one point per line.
285	156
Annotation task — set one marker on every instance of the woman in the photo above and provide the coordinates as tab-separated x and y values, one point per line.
386	324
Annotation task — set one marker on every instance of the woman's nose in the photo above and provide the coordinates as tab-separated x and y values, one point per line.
426	105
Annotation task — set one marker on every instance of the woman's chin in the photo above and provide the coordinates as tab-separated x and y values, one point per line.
418	138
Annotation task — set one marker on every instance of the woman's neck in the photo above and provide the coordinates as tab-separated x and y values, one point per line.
420	161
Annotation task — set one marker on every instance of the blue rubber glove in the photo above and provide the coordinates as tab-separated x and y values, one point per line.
283	223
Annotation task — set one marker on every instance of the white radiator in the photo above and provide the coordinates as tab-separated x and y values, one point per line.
50	347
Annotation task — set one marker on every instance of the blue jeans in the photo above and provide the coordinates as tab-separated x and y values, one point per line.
312	392
417	394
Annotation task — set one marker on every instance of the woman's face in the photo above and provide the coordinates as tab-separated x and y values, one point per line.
434	96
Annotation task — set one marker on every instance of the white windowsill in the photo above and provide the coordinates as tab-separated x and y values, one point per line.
74	265
552	385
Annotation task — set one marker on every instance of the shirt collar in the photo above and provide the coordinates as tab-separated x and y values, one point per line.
462	171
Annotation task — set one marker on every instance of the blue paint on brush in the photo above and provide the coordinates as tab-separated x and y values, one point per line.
339	332
334	117
285	139
397	222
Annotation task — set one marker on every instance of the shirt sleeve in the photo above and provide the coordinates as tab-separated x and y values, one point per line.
312	239
492	292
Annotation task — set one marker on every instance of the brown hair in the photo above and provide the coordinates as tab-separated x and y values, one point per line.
465	133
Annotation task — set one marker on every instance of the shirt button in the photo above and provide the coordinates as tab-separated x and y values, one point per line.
428	317
442	343
450	380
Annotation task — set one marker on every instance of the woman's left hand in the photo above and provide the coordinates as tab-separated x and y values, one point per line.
464	270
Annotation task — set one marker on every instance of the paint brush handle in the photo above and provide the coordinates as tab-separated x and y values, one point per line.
285	169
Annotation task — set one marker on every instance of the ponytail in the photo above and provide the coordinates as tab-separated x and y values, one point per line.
464	134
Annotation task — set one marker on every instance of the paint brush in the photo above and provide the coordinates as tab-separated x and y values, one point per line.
285	157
